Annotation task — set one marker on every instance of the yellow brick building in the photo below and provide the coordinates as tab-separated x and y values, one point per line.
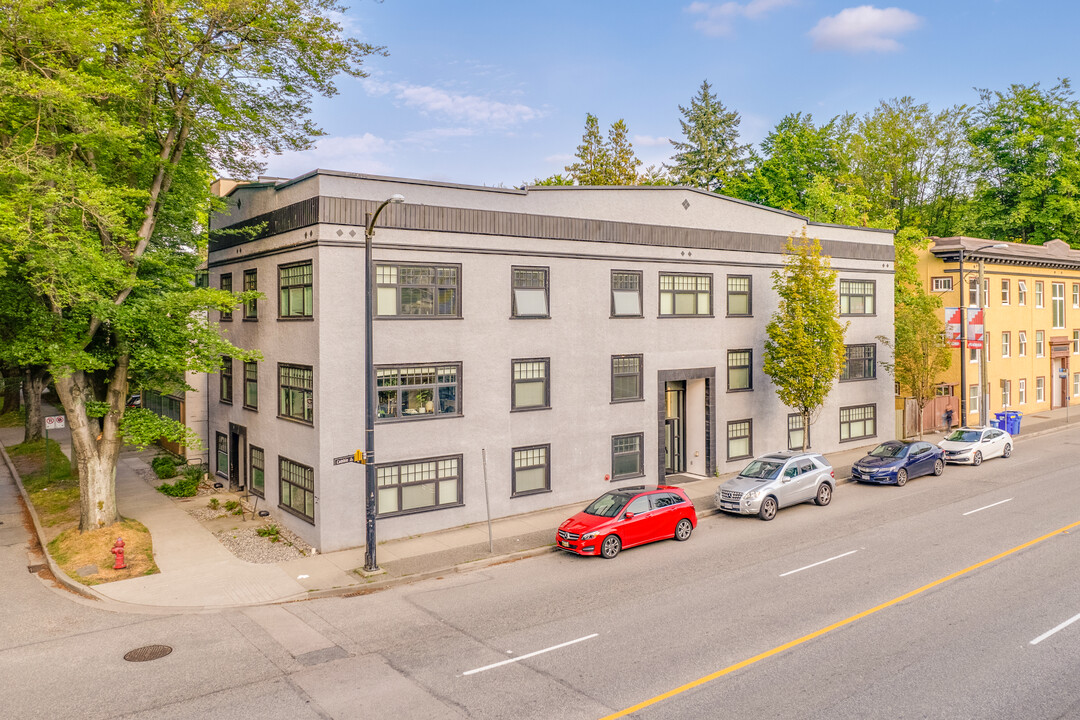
1030	297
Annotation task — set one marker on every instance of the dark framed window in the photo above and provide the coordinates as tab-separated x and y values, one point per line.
163	405
740	439
418	290
740	376
627	456
530	380
415	392
418	485
795	432
251	385
531	471
626	293
226	379
296	290
296	489
530	292
739	295
251	283
225	283
626	378
202	278
685	294
296	396
221	441
258	471
857	297
858	422
860	362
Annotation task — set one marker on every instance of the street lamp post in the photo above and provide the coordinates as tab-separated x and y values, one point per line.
980	302
370	563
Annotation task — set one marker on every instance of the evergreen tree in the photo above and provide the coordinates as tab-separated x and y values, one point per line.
624	163
710	155
594	161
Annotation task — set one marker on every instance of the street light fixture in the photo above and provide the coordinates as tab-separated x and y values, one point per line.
980	302
370	563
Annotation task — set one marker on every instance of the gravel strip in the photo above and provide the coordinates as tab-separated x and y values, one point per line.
250	547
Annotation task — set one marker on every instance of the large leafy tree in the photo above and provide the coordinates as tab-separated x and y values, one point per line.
1026	160
113	118
804	344
709	156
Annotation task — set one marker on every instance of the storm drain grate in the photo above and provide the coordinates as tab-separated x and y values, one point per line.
150	652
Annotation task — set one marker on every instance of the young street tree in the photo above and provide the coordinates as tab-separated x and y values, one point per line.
113	119
710	156
804	347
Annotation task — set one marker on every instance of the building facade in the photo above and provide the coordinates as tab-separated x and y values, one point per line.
536	346
1030	302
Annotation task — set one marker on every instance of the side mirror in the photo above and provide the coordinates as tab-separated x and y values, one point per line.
628	516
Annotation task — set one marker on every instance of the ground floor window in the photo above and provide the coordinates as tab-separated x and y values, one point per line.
1040	389
627	456
795	432
418	485
858	422
222	441
531	470
740	442
258	471
296	488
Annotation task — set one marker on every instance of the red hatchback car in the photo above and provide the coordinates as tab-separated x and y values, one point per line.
627	517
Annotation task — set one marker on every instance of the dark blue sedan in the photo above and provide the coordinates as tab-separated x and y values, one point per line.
896	461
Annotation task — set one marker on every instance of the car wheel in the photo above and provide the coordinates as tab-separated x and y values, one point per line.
1007	451
901	477
611	546
977	459
683	530
824	494
768	508
939	467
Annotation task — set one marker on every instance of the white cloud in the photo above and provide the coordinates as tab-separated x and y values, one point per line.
650	141
559	159
718	18
355	153
864	29
466	108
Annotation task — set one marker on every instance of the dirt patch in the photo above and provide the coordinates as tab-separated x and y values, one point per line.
86	557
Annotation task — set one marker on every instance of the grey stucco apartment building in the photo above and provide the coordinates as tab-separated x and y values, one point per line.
581	337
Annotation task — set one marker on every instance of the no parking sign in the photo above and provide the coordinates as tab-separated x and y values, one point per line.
55	422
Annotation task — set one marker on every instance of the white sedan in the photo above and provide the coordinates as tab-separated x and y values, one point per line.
971	446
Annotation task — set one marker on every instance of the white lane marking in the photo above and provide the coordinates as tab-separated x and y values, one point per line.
523	657
987	506
822	562
1062	626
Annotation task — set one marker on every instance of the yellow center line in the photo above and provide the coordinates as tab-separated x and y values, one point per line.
818	633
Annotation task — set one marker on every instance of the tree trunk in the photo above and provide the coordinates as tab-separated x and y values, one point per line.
34	381
805	430
95	443
12	381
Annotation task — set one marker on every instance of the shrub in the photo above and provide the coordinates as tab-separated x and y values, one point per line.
183	487
271	531
194	472
164	466
214	504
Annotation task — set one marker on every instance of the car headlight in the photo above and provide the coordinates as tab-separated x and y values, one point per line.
751	495
589	535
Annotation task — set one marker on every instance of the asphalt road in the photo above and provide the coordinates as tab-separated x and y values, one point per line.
922	601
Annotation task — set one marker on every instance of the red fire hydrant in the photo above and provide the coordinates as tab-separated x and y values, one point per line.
118	551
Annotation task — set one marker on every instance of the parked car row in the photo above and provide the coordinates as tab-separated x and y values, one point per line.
631	516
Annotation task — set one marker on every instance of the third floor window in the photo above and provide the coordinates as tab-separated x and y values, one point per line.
418	290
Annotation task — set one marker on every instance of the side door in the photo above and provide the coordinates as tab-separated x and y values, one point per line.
665	515
787	490
997	444
807	479
918	457
635	530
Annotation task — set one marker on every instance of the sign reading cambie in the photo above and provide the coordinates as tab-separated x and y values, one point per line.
55	422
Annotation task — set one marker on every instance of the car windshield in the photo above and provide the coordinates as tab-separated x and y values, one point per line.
762	469
889	450
608	504
965	436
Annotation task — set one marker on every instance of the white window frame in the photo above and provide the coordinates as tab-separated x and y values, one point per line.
1005	342
1021	344
1039	342
1057	305
973	399
1021	391
1040	389
1021	292
942	284
1040	298
1005	291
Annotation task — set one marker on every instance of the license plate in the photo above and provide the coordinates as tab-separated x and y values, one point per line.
564	543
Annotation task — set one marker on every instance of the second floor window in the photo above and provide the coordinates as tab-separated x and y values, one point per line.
295	296
857	297
738	295
251	283
739	375
1038	293
426	391
296	398
417	290
1004	292
685	294
625	293
1021	292
1039	339
859	362
1057	301
530	384
530	292
625	377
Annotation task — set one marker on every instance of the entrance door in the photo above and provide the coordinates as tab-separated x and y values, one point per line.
237	454
675	428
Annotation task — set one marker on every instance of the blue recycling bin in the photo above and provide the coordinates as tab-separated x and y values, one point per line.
1012	421
1000	422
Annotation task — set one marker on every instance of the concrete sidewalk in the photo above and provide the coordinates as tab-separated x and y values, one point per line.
199	573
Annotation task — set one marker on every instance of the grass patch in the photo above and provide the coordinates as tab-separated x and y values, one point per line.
15	418
29	459
73	551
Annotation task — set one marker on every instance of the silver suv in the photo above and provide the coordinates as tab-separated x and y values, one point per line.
777	480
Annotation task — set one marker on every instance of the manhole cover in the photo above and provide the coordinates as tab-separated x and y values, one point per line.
150	652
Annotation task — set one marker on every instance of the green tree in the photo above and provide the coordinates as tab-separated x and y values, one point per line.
594	162
113	118
624	162
804	344
710	155
1026	161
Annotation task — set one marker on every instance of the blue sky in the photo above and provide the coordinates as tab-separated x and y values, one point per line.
491	93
